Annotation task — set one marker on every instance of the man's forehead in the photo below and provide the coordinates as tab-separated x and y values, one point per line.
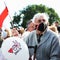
41	17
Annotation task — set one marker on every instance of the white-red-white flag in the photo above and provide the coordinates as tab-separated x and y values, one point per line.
3	13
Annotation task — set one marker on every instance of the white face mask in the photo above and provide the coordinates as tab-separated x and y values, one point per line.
4	34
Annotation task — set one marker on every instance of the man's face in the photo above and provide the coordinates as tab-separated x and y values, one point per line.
38	21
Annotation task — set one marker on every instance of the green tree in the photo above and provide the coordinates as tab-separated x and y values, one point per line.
30	10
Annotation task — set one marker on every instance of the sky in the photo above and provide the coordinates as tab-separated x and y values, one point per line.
16	5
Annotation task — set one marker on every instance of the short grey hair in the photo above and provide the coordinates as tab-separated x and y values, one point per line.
45	15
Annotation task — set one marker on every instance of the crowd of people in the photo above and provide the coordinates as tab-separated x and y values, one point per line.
43	41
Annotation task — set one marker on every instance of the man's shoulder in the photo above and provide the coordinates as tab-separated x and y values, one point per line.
52	33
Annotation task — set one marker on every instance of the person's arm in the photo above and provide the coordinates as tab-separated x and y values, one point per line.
30	46
55	49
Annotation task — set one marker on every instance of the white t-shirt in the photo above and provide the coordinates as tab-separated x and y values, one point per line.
1	56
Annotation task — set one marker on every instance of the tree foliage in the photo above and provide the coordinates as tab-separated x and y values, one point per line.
30	10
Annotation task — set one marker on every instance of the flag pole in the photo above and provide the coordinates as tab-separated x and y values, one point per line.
9	16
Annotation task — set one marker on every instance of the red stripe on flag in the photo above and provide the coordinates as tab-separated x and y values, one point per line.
3	16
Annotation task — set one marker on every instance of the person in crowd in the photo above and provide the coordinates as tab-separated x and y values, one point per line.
30	27
53	28
58	28
15	32
1	40
42	42
56	23
5	34
21	31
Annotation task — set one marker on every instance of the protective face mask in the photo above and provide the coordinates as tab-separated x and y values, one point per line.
4	34
42	27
